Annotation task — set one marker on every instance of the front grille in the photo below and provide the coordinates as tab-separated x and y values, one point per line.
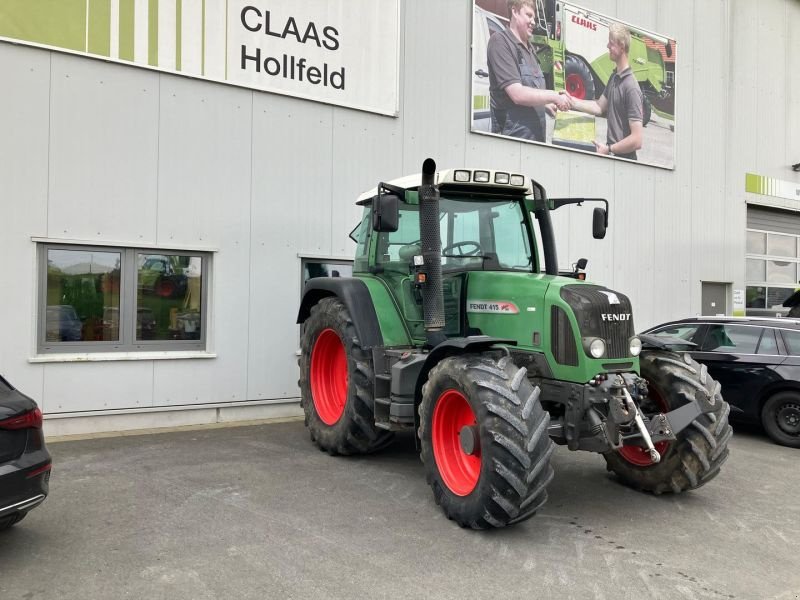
12	444
597	316
562	339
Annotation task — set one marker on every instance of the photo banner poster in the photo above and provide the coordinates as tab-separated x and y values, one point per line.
313	50
571	57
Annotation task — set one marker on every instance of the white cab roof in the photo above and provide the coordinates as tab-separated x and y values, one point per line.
412	182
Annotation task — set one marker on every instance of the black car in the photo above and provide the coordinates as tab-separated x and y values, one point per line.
24	460
757	362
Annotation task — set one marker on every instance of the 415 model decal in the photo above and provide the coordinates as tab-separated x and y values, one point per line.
492	306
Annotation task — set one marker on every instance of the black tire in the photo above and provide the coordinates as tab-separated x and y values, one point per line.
578	78
354	432
513	470
780	417
696	456
7	522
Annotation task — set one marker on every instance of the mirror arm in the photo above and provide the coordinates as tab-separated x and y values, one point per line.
559	202
400	192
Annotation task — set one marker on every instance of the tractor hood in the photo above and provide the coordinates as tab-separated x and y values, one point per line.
558	316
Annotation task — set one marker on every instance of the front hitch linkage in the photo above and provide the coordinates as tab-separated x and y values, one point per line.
631	405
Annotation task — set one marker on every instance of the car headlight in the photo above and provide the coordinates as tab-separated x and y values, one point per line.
635	346
597	348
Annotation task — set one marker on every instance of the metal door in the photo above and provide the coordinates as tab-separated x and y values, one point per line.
715	298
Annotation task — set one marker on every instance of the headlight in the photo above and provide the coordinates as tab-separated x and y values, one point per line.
597	348
635	345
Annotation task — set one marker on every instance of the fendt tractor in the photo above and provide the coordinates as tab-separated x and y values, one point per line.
451	327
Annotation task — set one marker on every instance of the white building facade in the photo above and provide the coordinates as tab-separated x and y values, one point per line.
176	217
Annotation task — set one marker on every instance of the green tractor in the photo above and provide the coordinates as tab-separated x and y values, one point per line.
451	327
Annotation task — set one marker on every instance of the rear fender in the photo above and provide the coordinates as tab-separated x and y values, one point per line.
355	296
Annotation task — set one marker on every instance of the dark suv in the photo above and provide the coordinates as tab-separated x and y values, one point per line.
757	361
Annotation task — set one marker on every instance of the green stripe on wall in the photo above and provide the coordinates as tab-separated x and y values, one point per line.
178	11
59	23
152	31
100	27
126	22
752	183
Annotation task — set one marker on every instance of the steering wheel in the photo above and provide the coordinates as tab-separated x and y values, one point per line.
465	248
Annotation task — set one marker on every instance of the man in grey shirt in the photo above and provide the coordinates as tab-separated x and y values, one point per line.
517	89
622	102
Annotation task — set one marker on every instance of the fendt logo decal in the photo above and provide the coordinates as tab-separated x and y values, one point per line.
617	317
492	306
584	22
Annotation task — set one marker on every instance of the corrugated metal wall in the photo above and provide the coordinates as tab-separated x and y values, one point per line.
97	151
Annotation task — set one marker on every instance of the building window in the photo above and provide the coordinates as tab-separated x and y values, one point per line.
313	267
101	299
771	271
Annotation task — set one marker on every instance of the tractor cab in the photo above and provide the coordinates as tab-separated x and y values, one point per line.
484	226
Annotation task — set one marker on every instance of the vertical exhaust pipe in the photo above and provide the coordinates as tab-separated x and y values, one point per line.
430	238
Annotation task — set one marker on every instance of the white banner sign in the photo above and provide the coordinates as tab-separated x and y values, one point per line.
342	52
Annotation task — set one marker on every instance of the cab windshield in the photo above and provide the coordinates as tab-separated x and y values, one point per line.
476	235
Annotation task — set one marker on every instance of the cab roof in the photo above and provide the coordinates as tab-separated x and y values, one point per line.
463	179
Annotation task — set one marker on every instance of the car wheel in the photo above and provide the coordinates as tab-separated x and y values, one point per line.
780	417
10	520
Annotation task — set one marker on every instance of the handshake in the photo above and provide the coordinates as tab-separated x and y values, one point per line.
563	102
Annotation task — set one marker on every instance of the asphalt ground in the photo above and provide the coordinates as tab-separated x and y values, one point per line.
259	512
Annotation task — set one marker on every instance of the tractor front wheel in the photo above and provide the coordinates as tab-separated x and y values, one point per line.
484	441
696	456
578	78
336	383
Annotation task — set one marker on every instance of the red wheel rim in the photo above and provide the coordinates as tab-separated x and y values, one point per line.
460	471
638	455
165	289
575	86
329	376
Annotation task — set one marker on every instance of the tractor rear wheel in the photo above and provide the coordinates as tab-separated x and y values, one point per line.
696	456
484	440
336	383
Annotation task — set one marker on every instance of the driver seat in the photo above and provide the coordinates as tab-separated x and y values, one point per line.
409	251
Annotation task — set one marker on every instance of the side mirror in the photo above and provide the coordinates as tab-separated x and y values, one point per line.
581	264
599	223
386	213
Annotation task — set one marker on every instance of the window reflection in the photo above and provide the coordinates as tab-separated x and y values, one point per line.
81	287
168	301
